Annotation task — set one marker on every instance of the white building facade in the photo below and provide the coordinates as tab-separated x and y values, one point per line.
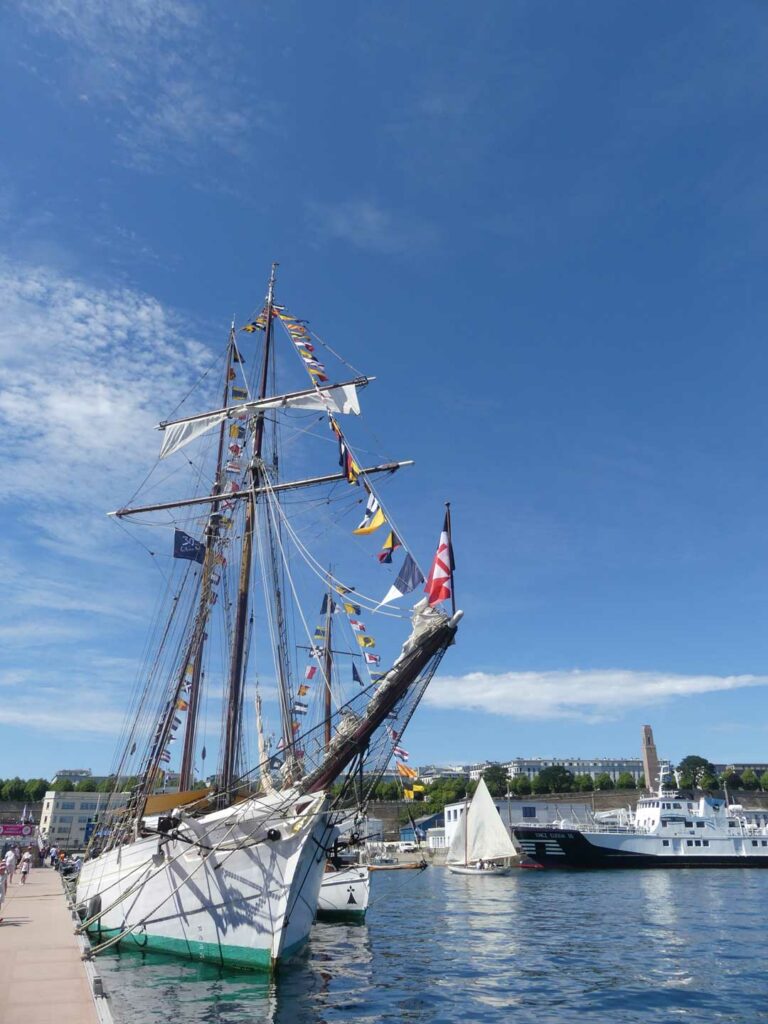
613	766
65	817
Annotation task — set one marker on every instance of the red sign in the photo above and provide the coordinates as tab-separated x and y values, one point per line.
17	830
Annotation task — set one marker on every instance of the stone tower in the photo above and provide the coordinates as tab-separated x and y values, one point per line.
650	759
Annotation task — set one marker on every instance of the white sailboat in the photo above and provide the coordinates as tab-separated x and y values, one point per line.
481	843
231	872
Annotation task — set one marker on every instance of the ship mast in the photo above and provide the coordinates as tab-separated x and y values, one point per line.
195	653
328	664
234	702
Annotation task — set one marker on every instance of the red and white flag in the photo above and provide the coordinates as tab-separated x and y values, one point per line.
440	580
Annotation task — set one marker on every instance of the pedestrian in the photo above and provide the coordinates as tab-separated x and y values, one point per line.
24	870
3	884
10	865
53	854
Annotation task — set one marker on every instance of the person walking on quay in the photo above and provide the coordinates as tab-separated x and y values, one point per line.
26	865
3	884
10	865
53	854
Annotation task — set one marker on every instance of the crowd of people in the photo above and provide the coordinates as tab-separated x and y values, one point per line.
13	860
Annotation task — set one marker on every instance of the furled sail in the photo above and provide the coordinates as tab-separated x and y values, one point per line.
341	399
481	834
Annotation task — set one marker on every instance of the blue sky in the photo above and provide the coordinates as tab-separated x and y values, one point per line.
540	225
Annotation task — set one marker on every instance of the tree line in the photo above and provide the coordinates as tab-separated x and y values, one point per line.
694	772
33	790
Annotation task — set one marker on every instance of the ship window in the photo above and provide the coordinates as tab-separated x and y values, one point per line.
663	824
731	824
665	842
699	824
705	842
697	842
529	812
677	807
689	842
764	842
754	842
689	824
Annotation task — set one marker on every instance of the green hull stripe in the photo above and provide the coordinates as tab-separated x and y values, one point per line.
243	957
341	915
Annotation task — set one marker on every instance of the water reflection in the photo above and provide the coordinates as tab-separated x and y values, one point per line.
570	947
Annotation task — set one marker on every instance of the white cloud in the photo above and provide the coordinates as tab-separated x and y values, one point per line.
155	62
367	225
75	716
587	695
88	372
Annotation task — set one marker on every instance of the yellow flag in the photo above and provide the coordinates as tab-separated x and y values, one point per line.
377	519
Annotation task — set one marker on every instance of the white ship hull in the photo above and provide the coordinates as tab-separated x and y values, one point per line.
225	893
344	893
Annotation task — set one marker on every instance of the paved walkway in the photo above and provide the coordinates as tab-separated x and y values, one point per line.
42	979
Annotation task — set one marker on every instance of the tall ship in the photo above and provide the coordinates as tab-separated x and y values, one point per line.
226	864
669	829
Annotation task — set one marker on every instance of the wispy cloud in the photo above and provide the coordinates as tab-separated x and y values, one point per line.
155	63
586	695
367	225
80	714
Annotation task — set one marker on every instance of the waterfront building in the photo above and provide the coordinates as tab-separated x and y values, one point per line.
436	839
432	772
613	766
409	834
758	767
65	817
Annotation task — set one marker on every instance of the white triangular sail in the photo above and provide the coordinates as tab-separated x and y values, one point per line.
481	834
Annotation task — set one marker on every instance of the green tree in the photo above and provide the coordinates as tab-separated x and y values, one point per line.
62	786
554	779
387	790
539	785
496	779
13	789
604	781
584	783
692	768
749	779
35	790
625	781
731	779
521	785
107	785
764	781
708	782
87	786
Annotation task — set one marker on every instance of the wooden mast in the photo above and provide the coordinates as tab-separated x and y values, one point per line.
236	669
328	663
195	653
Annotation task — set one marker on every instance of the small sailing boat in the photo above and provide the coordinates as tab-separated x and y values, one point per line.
345	892
481	844
230	870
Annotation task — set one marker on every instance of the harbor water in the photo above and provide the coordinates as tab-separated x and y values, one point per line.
536	946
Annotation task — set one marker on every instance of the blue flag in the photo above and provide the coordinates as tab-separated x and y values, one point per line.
409	577
187	547
356	675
